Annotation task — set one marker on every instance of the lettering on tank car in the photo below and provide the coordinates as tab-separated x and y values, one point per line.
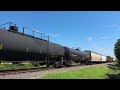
27	50
1	46
75	55
40	51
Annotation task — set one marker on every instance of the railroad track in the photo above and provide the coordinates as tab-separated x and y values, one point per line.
17	71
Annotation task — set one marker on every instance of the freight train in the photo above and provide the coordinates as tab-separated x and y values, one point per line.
17	46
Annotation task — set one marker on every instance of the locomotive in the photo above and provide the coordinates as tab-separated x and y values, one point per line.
17	46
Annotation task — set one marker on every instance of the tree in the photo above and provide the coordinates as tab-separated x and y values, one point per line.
117	51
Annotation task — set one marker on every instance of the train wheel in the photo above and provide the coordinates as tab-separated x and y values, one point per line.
90	62
66	64
81	62
69	65
47	65
56	64
86	63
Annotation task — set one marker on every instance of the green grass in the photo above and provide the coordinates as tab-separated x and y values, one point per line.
99	72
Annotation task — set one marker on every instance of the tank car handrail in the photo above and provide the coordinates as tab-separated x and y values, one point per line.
42	35
36	32
7	23
2	26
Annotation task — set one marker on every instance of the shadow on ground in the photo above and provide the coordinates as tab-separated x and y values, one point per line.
113	76
114	72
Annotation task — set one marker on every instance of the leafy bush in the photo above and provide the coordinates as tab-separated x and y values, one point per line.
117	51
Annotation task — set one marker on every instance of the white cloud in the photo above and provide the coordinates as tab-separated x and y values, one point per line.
97	47
89	38
104	51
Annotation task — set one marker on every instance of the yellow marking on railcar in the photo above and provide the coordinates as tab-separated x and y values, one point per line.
27	50
1	46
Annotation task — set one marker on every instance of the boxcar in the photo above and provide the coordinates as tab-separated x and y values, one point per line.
94	57
104	59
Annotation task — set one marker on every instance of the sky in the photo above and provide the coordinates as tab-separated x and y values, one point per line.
89	30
